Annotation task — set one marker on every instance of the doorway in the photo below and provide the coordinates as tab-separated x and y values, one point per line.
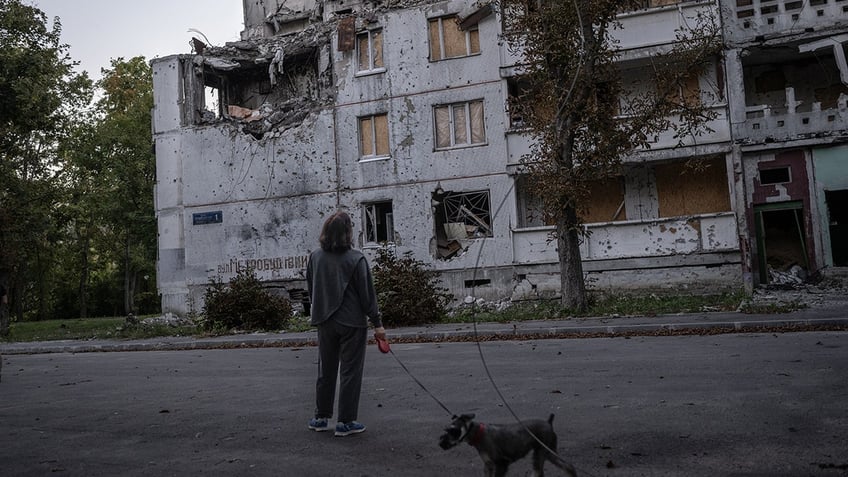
781	242
837	214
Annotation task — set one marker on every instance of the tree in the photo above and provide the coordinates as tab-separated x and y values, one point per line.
39	96
571	106
124	163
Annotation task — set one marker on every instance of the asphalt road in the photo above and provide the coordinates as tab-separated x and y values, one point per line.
733	404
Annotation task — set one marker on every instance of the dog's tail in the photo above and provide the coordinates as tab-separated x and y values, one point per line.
557	460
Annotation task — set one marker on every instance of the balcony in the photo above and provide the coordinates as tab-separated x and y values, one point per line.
519	142
635	239
765	124
657	26
749	20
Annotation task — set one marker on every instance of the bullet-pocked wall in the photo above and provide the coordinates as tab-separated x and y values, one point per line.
411	88
227	200
397	112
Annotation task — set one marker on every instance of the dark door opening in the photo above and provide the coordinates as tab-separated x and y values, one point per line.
837	213
781	243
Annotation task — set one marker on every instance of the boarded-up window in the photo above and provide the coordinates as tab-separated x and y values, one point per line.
605	202
374	136
369	46
346	28
448	41
691	90
688	91
459	124
683	190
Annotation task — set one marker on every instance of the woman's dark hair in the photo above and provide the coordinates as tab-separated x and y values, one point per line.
337	233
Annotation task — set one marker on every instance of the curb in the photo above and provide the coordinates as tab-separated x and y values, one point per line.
490	332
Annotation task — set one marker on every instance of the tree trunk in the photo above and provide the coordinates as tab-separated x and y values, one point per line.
128	280
572	287
40	265
83	283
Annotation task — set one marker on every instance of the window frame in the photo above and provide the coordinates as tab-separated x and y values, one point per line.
530	210
372	69
469	43
471	208
370	223
374	156
452	125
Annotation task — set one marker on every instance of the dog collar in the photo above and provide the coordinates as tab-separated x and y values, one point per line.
478	436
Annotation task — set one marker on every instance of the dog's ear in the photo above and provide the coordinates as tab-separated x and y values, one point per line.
467	417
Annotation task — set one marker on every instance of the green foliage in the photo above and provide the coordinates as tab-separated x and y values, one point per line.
90	328
408	293
244	305
654	304
41	96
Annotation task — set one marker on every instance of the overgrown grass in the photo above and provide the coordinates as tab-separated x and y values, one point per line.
90	328
621	305
624	305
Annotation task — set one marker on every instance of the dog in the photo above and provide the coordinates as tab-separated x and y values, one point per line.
501	445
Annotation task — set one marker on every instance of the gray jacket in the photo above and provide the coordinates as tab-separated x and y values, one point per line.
341	287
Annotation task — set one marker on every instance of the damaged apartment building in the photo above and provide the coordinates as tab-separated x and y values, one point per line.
396	111
788	81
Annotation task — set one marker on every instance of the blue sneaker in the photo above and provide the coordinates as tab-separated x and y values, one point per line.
319	424
351	427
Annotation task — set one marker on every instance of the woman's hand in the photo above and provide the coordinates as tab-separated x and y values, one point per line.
380	333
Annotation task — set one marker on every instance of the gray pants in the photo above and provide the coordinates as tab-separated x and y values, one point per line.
341	354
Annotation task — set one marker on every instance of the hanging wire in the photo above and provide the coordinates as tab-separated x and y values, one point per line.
474	278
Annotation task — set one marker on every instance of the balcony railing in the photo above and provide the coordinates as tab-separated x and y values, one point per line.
716	130
746	20
765	123
659	25
634	239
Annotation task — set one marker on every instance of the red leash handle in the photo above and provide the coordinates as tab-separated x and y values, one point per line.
383	345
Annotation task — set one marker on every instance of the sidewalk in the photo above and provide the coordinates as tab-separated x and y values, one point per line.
832	316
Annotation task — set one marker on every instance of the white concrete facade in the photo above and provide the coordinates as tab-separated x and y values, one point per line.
237	189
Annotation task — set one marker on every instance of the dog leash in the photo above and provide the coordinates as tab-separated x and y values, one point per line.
384	347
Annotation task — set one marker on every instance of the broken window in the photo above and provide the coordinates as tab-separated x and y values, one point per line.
447	40
459	124
379	223
684	189
775	176
518	88
464	215
459	216
374	136
369	51
530	208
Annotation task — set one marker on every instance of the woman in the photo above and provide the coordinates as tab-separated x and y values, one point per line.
343	300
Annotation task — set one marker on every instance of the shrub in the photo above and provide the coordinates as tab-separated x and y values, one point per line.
408	293
244	305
